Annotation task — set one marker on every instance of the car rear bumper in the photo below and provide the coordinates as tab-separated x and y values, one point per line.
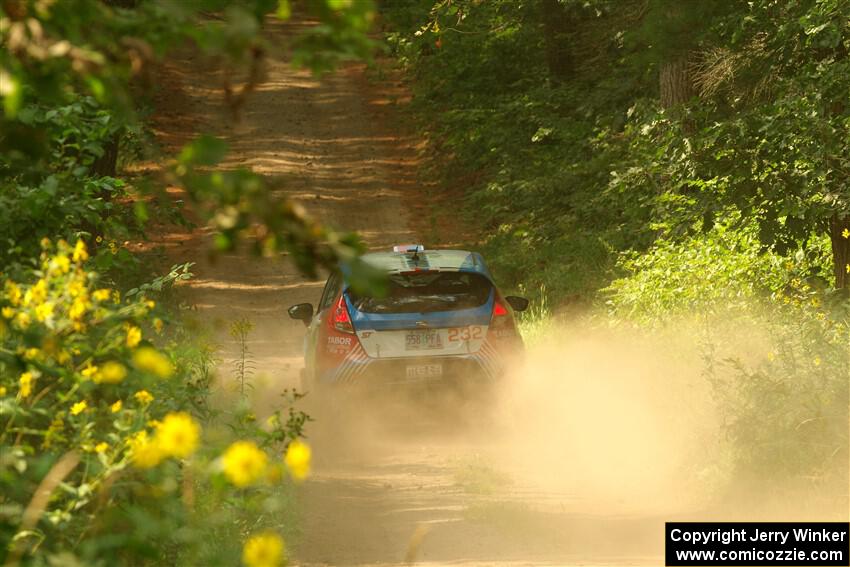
360	370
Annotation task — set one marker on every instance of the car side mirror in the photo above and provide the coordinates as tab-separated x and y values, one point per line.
303	312
517	303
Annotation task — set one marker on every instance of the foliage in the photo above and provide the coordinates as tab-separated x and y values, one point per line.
110	451
104	455
59	198
718	209
73	77
244	364
574	173
774	338
723	269
786	410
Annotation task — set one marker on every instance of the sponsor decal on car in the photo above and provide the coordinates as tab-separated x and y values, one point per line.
339	345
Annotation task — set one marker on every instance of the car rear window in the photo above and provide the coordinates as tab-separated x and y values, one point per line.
425	292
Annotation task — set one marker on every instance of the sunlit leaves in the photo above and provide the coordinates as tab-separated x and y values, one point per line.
284	10
206	150
70	78
11	91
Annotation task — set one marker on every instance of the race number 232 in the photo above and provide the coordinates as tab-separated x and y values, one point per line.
465	334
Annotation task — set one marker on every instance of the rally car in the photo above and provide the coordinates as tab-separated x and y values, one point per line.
440	319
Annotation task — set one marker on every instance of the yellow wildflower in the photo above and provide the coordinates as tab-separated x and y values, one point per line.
847	268
116	407
79	408
150	303
63	357
846	233
80	252
244	463
2	391
62	263
98	239
143	397
101	447
90	370
23	320
146	453
13	292
178	435
102	294
44	311
77	286
264	550
111	373
8	312
297	459
37	293
25	382
149	360
158	324
31	353
817	361
134	336
78	307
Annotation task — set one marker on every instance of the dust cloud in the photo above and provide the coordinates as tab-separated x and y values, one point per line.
627	421
579	454
600	420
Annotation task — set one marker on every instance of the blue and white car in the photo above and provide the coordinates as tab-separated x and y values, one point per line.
442	319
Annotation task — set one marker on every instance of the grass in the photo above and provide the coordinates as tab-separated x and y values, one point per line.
476	476
536	322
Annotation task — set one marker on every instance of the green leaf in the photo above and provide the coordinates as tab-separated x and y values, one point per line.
339	4
284	10
97	88
206	150
10	89
140	209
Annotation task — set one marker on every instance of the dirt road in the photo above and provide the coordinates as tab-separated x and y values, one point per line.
424	491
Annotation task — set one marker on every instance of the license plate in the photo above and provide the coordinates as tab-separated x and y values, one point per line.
423	372
423	340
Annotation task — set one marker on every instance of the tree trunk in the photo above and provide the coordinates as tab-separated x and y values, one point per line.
557	24
840	249
675	82
107	164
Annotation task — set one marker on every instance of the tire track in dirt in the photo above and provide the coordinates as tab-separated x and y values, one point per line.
335	145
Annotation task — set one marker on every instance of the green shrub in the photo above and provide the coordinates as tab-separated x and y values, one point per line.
109	451
776	348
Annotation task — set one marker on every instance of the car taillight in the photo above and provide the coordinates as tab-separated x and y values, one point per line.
501	322
499	310
339	318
